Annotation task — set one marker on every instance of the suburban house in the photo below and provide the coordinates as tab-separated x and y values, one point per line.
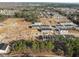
63	32
46	37
8	11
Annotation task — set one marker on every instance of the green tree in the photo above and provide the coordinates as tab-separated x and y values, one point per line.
34	45
42	45
50	45
76	48
69	51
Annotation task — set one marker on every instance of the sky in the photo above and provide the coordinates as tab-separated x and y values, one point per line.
60	1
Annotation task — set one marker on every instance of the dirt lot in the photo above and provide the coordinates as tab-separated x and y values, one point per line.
14	29
29	52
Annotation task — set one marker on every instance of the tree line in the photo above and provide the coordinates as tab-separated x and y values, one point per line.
28	15
65	46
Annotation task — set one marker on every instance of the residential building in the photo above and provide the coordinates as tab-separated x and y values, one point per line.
4	48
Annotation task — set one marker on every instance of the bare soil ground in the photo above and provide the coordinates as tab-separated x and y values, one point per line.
29	52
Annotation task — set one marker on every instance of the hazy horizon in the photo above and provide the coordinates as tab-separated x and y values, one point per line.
54	1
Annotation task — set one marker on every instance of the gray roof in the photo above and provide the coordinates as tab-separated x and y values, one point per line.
3	46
